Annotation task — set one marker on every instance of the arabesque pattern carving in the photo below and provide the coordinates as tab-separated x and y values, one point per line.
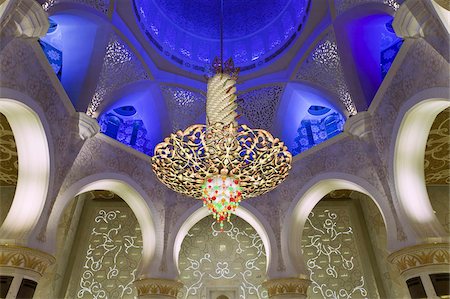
8	154
421	255
323	68
437	152
120	66
287	286
154	286
112	254
254	157
332	255
344	5
25	258
234	259
100	5
260	105
184	105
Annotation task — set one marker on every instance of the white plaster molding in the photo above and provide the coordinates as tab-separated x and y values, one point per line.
23	18
88	126
34	167
410	19
359	125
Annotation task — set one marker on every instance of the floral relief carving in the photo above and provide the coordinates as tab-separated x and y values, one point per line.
285	286
323	68
112	254
25	258
100	5
344	5
260	105
8	154
421	255
154	286
120	66
437	152
234	258
331	255
184	105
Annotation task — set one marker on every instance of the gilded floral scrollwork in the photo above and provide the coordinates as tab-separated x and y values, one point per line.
25	258
8	154
421	255
155	286
437	152
254	157
284	286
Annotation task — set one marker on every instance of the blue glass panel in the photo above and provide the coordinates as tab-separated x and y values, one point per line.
54	57
388	56
315	131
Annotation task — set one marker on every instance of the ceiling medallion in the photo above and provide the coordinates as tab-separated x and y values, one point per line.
221	163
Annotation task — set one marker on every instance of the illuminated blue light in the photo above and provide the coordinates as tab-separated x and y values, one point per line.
54	57
129	131
314	131
187	32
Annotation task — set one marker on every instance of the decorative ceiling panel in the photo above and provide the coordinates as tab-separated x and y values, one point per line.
185	106
437	152
100	5
8	154
120	67
323	68
343	5
260	105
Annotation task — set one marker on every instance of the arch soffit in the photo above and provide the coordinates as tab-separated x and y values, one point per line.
245	211
406	158
311	194
35	168
130	192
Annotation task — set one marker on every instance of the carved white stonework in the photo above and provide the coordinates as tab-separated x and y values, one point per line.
23	18
410	19
88	126
359	125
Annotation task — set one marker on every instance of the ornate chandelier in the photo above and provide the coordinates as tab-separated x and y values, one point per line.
221	162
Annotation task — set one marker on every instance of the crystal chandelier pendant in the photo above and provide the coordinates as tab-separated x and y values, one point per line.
221	195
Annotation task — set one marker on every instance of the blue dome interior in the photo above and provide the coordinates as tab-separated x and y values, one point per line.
187	33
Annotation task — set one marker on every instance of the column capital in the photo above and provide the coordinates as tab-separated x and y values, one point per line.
359	125
31	261
419	257
23	18
290	287
88	127
157	288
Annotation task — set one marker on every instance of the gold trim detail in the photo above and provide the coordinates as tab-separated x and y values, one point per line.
25	258
420	255
155	286
284	286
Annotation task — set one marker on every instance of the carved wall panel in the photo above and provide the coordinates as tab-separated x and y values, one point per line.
100	5
106	254
323	68
185	106
232	260
120	66
334	254
343	5
260	105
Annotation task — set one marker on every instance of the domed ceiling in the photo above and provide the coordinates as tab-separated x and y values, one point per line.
187	33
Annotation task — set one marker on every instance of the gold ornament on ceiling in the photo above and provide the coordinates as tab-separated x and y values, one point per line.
8	154
437	152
